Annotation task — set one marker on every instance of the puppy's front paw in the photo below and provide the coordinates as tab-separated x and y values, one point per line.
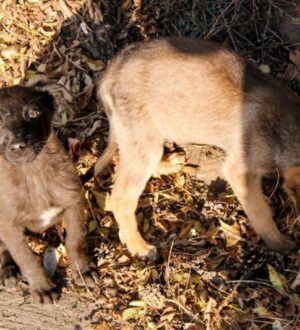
44	297
85	272
42	291
88	279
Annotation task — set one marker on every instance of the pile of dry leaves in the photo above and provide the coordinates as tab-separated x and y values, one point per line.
214	273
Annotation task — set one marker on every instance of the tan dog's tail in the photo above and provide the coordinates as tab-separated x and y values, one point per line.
106	157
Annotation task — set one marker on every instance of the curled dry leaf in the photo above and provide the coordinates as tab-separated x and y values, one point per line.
232	233
94	65
34	78
74	145
278	280
296	283
264	68
291	72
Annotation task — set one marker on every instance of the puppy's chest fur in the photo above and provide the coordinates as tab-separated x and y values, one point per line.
36	195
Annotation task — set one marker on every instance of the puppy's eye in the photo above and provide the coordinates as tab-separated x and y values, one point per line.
32	113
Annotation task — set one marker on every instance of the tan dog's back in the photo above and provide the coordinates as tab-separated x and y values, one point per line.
191	91
165	85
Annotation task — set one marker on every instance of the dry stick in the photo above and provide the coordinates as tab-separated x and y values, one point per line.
168	264
297	317
92	211
229	32
254	11
230	297
65	9
276	185
185	310
218	18
251	281
279	9
264	33
87	288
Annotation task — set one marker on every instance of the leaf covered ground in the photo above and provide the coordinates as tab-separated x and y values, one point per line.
215	273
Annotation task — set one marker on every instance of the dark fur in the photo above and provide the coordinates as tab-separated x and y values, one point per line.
35	178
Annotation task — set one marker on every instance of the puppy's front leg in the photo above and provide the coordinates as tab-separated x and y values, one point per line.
28	262
76	244
248	190
8	269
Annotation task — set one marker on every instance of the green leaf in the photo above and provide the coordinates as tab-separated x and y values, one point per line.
130	313
92	225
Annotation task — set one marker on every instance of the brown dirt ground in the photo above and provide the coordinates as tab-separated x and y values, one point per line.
71	312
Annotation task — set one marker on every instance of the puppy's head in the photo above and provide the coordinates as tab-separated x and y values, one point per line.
25	122
292	185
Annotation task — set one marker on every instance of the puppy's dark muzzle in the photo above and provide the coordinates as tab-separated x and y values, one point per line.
18	147
19	152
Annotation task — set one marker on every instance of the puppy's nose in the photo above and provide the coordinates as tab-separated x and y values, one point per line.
17	146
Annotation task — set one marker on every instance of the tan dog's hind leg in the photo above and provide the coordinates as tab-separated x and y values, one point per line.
248	190
107	155
137	163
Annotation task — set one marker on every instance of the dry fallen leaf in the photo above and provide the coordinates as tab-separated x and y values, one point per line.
294	57
290	72
10	52
278	280
94	65
103	199
264	68
232	233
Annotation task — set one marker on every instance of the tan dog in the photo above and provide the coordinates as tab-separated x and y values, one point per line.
192	91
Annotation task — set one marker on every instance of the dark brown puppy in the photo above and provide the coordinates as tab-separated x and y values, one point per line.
39	186
192	91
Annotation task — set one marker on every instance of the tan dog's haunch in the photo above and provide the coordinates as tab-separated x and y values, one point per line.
192	91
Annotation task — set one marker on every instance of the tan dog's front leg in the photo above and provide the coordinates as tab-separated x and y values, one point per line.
248	190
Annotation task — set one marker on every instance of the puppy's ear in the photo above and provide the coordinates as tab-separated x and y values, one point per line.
62	100
292	185
60	94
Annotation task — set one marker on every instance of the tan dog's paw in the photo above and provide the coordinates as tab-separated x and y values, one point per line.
138	247
282	244
144	251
